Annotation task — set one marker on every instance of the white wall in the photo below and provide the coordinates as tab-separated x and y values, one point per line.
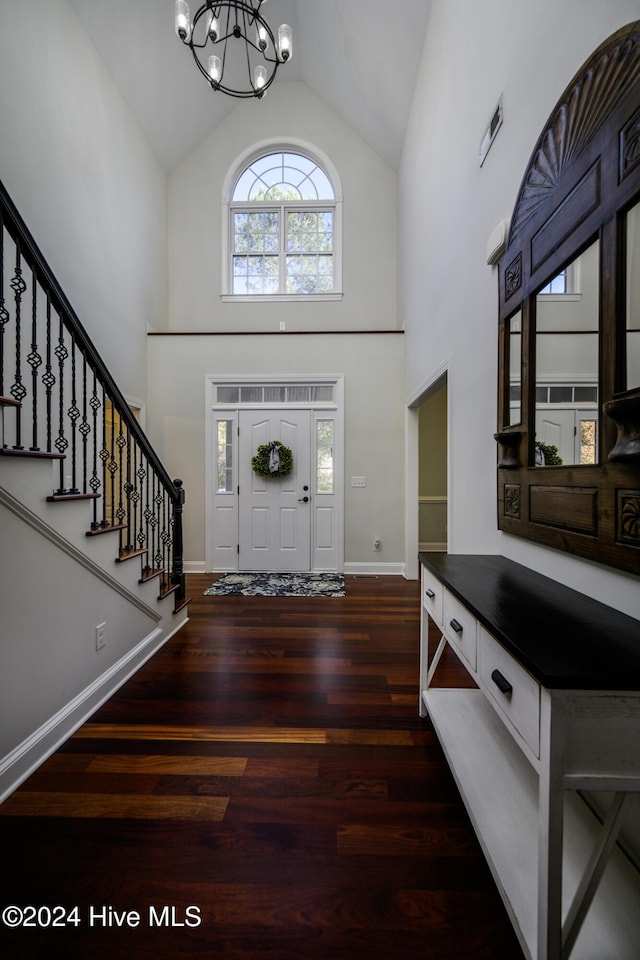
372	365
448	206
290	110
83	178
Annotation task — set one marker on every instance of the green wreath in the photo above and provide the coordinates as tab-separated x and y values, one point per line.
272	460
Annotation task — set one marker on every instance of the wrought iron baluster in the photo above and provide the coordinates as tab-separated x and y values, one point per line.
131	448
154	558
18	390
165	544
177	566
104	456
4	313
61	442
74	413
95	482
34	360
143	535
122	443
112	465
84	428
134	498
48	377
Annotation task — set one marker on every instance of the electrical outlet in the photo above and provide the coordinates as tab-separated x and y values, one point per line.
101	637
376	544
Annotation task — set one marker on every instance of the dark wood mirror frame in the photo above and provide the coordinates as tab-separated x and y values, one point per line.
583	177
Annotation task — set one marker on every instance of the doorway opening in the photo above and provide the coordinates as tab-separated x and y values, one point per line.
280	523
428	470
432	471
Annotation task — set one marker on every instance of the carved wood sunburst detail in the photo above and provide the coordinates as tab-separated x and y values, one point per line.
605	78
630	145
629	517
513	277
512	500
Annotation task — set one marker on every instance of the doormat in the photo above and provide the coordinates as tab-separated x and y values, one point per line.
278	585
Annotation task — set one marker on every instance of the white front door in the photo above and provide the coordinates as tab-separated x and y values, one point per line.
274	513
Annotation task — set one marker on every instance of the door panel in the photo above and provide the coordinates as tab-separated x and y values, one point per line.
274	520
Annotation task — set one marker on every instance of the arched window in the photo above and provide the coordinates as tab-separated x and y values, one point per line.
284	228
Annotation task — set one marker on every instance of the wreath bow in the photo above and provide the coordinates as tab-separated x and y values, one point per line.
274	458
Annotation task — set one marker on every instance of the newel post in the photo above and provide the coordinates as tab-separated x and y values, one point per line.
177	572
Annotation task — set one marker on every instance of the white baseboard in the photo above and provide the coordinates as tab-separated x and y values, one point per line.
194	566
375	569
21	762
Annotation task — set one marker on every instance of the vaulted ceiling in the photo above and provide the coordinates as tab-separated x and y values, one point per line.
360	56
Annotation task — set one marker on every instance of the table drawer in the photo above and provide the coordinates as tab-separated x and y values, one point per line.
460	627
432	591
510	689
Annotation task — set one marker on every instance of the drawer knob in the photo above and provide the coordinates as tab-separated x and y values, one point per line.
455	626
501	683
430	594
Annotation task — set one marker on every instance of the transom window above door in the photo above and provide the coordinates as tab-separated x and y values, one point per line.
284	229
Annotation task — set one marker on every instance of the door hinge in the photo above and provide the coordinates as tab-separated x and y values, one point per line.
238	548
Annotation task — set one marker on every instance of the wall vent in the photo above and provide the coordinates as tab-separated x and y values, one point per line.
491	132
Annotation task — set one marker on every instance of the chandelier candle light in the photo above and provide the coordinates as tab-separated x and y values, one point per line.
233	45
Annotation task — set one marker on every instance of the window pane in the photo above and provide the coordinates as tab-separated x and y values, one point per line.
274	394
250	394
255	275
225	456
228	394
560	395
324	456
309	274
585	394
295	175
321	392
298	394
310	231
557	285
256	232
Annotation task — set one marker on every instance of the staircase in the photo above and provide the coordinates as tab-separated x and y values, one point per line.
91	577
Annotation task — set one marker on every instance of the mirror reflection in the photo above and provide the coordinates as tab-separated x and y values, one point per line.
514	346
566	344
633	299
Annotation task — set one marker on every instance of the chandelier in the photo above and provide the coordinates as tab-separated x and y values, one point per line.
233	45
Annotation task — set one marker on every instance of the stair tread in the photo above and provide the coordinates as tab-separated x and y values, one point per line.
62	497
97	531
25	452
125	555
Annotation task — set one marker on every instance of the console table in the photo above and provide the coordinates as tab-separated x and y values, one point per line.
555	711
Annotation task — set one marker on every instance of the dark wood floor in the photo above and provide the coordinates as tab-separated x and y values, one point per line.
269	768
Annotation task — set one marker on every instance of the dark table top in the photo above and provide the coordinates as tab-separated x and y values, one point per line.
565	639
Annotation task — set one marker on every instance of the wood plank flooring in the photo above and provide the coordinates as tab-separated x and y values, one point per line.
267	767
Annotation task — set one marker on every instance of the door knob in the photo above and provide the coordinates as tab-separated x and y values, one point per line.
303	499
